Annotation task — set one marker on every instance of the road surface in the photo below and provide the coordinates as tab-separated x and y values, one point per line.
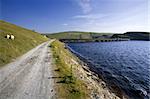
28	77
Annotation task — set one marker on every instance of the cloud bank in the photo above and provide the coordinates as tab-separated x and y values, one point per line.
85	5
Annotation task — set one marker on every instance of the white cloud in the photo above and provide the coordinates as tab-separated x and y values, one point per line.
131	21
85	6
135	19
90	16
90	19
65	24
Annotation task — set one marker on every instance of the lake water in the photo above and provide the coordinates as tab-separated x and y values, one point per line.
126	63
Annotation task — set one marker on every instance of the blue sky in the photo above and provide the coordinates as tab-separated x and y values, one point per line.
48	16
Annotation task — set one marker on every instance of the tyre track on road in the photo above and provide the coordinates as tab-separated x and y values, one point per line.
27	77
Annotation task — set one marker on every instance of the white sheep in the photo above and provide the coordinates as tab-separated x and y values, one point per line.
12	37
7	36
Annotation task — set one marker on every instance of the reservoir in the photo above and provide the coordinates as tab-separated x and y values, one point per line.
125	64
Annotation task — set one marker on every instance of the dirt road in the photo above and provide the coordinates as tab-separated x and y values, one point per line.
28	77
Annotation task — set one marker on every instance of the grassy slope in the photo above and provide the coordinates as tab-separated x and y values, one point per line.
75	35
65	89
138	35
24	41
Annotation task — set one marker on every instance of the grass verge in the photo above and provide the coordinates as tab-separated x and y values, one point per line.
67	85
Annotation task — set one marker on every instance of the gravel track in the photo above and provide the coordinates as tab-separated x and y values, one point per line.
28	77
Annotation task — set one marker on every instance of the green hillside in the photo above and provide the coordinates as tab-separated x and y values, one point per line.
24	41
76	35
138	35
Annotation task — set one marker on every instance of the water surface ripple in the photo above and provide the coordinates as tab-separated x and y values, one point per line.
126	63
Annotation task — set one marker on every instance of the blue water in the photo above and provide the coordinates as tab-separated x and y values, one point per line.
126	63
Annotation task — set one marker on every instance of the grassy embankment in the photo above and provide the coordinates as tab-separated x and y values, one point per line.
67	85
24	41
76	35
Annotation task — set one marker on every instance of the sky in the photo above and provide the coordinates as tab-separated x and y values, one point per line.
49	16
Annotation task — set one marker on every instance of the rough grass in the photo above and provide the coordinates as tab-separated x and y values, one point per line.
24	41
76	35
68	86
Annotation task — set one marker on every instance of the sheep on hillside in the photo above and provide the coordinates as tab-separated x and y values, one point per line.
12	37
7	36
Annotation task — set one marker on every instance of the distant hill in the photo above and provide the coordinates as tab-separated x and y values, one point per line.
24	41
92	35
138	35
76	35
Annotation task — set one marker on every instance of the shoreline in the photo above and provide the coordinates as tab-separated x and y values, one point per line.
86	84
87	67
